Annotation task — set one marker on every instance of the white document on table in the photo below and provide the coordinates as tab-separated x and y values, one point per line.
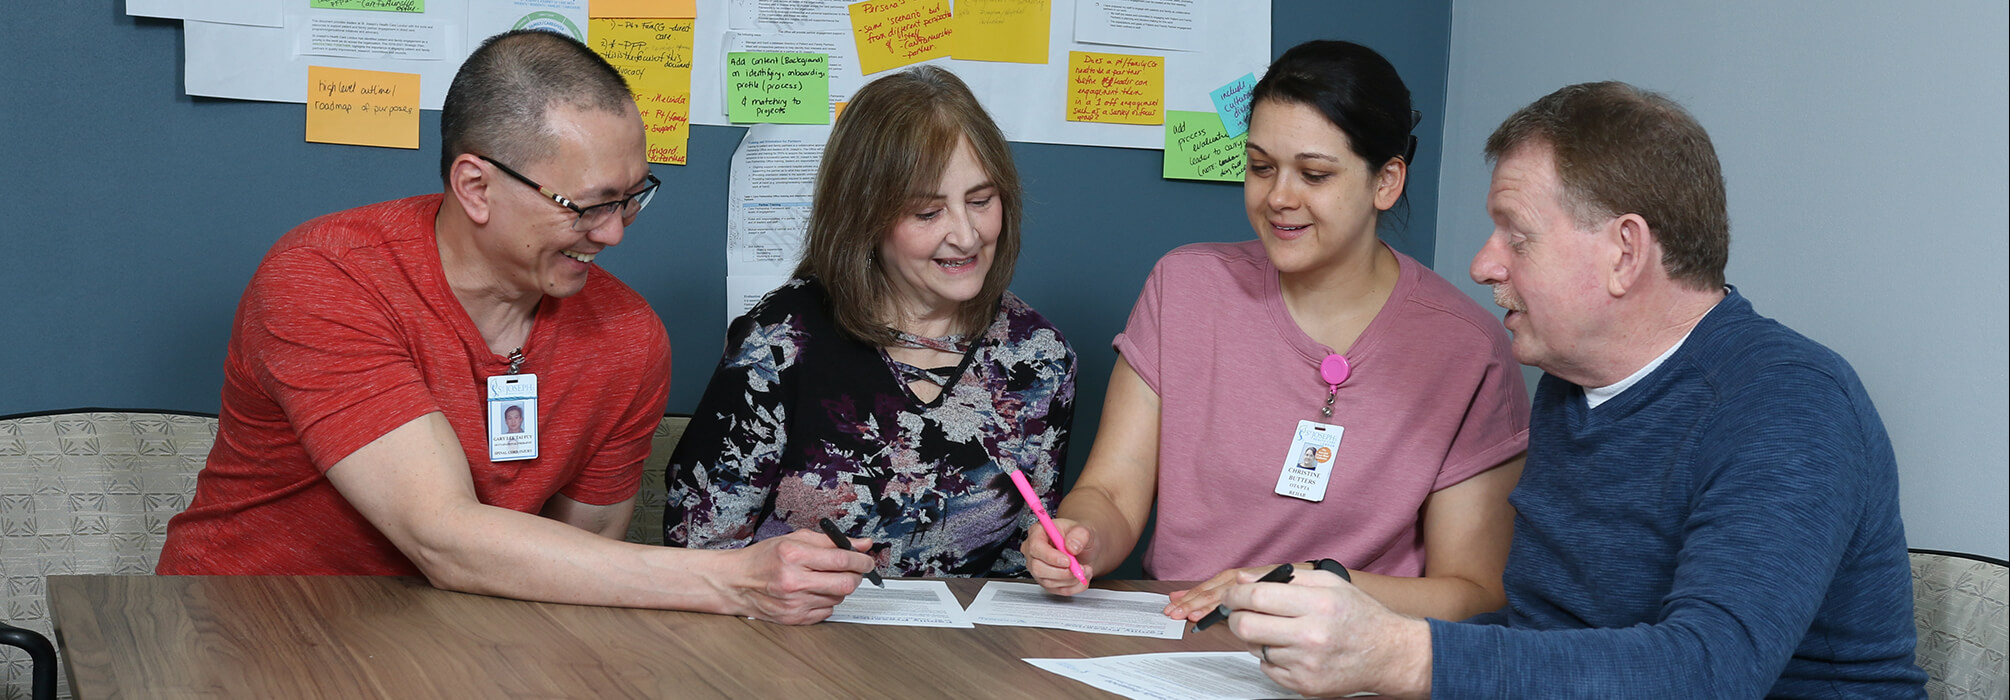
1128	613
1198	675
902	603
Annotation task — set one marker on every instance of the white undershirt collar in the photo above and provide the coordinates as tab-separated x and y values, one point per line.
1598	395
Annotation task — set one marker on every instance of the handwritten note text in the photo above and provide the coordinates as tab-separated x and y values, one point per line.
1116	88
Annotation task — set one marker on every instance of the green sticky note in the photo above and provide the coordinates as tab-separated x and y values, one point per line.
1198	148
379	5
778	88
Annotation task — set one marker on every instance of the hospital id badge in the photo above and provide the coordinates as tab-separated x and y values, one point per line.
1309	464
512	417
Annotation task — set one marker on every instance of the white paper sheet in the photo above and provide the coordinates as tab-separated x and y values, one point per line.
1032	105
259	63
1127	613
260	13
787	16
1203	675
902	603
1156	24
768	199
375	35
744	291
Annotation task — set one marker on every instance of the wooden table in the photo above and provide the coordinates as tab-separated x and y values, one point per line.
350	637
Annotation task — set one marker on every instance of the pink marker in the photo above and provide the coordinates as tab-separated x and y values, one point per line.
1040	511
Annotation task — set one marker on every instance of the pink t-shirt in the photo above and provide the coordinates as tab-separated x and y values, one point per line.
1435	398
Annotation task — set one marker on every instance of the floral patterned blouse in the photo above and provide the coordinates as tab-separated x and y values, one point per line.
802	422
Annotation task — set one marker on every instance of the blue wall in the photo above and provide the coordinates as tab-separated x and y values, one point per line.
138	213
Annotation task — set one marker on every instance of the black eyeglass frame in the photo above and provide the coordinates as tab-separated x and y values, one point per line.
640	199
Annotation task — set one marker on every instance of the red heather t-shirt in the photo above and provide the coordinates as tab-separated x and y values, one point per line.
1436	397
349	330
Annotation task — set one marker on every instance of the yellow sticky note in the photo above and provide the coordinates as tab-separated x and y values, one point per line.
1002	30
894	33
655	56
1116	88
362	107
837	110
683	9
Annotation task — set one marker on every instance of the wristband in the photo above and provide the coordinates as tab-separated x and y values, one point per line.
1333	567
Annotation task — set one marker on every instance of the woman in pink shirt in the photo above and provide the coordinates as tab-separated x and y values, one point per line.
1220	416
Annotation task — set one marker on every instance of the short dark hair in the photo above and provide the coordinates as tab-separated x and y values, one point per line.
513	407
1355	88
499	100
1619	150
889	148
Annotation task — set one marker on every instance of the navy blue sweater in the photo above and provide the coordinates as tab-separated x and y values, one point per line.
1726	528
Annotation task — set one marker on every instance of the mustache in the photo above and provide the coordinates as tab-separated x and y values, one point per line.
1506	299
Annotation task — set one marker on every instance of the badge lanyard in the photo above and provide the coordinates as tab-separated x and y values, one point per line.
512	412
1335	370
1315	445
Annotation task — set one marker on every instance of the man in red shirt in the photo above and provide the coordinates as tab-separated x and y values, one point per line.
381	357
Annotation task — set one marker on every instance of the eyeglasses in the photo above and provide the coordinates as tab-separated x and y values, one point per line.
589	217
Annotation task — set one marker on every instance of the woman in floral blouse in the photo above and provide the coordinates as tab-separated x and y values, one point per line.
892	384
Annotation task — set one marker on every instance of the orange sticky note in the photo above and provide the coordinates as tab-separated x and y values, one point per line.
362	107
837	110
680	9
655	56
1116	88
894	33
1002	30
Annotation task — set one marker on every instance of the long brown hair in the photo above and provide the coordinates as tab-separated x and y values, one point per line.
890	147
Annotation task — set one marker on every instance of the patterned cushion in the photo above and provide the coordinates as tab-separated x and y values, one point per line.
86	493
646	526
1964	626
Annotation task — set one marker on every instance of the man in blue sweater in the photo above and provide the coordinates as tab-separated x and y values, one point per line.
1710	504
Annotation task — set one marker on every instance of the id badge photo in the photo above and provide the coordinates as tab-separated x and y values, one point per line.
512	417
1308	465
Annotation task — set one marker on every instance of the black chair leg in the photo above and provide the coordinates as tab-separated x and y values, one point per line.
40	651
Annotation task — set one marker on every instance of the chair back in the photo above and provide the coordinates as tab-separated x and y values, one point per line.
86	492
1959	603
646	526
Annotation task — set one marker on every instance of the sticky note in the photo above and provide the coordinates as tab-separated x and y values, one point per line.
380	5
362	107
1231	101
778	88
1002	30
1116	88
642	9
1198	149
837	110
894	33
655	56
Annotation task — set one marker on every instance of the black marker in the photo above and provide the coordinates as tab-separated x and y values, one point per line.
838	538
1281	574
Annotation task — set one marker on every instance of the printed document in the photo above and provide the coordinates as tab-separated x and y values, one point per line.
1127	613
902	603
1200	675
